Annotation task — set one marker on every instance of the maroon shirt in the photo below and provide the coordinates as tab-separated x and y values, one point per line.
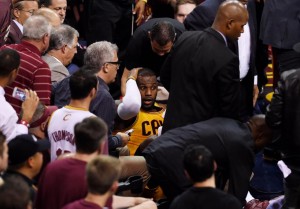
62	182
5	19
34	74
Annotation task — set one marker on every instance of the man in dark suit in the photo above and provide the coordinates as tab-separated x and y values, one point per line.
202	17
22	10
202	73
231	143
280	28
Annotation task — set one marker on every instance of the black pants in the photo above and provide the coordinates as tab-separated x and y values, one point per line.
292	191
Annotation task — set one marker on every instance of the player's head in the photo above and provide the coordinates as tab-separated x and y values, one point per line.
148	86
9	65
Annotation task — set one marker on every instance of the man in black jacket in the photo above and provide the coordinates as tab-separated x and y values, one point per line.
283	115
232	144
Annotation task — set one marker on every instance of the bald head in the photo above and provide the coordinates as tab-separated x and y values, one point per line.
231	18
261	133
50	15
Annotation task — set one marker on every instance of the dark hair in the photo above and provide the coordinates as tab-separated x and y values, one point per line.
82	82
162	32
144	72
14	193
198	162
45	3
89	133
101	173
9	61
2	141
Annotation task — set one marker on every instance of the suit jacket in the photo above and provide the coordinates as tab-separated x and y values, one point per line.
15	34
58	70
203	16
229	141
202	76
280	23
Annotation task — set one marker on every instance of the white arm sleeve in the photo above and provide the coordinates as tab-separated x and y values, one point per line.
131	103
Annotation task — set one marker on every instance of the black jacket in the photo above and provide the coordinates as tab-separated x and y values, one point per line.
283	115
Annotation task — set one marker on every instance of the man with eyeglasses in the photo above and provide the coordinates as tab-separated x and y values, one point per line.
59	6
22	10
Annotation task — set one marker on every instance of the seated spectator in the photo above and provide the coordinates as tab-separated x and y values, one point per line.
183	8
62	48
57	187
102	174
10	125
26	159
15	194
58	6
22	10
200	166
33	73
138	110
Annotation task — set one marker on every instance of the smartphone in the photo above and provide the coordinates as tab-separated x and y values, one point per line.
129	132
19	94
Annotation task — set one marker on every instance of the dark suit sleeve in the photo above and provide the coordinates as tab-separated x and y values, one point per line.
228	88
199	19
275	109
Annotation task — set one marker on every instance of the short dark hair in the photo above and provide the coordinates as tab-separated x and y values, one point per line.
101	173
88	134
9	61
162	32
82	82
198	162
144	72
14	193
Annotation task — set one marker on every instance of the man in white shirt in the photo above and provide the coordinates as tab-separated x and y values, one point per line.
9	65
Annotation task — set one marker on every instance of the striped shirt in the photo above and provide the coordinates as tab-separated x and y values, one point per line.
34	73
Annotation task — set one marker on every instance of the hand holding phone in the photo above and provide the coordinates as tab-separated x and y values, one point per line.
19	94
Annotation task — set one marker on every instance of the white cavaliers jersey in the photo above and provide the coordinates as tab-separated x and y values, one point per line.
61	129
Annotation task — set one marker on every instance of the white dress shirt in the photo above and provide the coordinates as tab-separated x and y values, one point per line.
9	119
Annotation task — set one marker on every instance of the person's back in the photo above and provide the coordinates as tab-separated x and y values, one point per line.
200	167
63	180
83	87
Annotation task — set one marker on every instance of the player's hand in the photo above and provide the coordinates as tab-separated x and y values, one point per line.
139	11
125	138
29	105
134	72
255	94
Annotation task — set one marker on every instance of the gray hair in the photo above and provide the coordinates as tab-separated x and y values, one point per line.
62	35
35	27
97	54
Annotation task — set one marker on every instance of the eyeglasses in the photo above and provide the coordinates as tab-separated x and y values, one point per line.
115	63
29	11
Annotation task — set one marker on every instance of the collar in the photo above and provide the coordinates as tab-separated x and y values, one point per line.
2	92
31	47
54	58
19	25
29	181
225	40
102	83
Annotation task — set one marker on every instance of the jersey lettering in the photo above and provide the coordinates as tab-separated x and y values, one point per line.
150	128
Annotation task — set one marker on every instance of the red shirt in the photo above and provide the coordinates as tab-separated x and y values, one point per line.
34	74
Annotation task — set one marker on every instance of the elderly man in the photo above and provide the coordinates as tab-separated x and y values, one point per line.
62	48
22	10
50	15
34	73
59	6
